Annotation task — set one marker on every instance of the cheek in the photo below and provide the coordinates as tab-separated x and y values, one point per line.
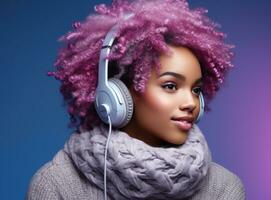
156	104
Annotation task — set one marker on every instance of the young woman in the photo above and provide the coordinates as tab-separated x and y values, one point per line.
165	59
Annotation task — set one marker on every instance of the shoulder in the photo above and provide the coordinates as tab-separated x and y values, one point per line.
222	177
55	179
222	184
42	183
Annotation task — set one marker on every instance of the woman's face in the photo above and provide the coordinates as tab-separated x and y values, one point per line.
170	104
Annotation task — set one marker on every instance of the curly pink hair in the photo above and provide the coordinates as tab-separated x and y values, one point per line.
140	41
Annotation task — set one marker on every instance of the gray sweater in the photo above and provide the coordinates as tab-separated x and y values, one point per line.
60	179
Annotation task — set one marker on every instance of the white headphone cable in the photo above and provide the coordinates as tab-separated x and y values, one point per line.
105	156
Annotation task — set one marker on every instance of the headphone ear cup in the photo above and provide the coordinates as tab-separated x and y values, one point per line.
201	107
126	96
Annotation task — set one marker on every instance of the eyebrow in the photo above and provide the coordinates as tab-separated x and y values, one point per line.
179	76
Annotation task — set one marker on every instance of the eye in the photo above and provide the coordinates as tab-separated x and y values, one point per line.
197	90
170	86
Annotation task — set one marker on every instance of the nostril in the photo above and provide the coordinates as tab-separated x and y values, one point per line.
190	108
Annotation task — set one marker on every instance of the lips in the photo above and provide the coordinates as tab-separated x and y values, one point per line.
183	123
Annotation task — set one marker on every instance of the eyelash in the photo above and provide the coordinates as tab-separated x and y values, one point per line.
197	88
167	85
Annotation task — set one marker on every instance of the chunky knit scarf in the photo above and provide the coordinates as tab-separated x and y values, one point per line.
136	170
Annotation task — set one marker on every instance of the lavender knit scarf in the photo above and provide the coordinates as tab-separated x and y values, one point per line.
136	170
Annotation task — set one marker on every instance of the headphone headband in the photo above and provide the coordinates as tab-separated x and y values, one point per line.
105	51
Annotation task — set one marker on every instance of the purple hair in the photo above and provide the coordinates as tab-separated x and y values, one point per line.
140	41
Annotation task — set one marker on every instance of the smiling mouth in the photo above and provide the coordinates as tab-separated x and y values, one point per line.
183	124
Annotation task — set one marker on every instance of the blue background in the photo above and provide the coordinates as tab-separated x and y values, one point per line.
34	120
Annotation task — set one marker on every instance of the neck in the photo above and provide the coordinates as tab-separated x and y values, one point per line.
134	131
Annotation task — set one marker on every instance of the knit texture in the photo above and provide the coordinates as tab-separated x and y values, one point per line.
136	170
59	179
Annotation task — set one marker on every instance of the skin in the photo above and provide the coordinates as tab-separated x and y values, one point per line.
167	96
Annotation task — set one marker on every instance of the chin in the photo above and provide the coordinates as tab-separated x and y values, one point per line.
177	138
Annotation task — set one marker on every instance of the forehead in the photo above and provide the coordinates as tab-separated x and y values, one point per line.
181	61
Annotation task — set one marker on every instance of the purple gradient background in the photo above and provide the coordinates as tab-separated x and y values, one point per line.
239	127
33	121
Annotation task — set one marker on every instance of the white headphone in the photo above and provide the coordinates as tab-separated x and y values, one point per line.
201	107
112	96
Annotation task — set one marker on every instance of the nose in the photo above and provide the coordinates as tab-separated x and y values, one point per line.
188	102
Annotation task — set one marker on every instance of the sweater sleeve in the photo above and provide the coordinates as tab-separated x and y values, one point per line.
42	186
233	190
